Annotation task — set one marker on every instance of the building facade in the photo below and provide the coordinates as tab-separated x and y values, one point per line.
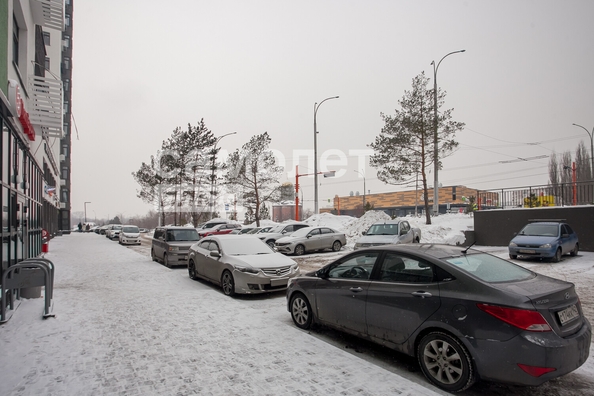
403	203
35	64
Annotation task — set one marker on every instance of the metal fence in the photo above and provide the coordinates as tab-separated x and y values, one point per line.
563	194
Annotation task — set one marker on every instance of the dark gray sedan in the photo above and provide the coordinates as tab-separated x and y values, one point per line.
464	314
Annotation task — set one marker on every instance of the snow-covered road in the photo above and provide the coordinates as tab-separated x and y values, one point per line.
127	325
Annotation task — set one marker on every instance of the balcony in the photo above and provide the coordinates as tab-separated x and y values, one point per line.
46	105
48	13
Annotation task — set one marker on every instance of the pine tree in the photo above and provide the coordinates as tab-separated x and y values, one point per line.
405	145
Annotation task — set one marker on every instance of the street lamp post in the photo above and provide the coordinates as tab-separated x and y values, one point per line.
435	139
212	176
591	135
364	190
316	107
86	211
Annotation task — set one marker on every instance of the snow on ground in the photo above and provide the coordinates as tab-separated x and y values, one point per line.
127	325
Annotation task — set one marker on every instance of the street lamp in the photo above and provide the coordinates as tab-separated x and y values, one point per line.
86	211
212	176
435	139
316	107
364	190
591	135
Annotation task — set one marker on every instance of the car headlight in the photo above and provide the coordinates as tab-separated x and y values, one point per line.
173	248
545	246
249	270
513	244
295	268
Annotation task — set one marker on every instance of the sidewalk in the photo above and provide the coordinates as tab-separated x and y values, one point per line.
126	325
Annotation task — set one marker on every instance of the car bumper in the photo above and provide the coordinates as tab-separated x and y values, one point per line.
532	252
177	258
246	283
286	249
498	361
134	241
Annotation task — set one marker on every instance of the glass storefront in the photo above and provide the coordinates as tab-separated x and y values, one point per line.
21	200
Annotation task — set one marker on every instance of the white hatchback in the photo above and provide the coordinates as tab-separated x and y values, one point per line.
129	234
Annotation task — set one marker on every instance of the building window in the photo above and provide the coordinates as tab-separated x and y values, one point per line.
46	38
47	63
66	84
66	41
15	41
66	64
67	20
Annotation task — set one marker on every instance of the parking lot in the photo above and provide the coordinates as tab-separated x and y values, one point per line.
127	325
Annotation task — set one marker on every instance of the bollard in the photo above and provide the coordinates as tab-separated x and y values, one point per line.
45	247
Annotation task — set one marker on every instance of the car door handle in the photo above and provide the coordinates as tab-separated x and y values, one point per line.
356	289
422	294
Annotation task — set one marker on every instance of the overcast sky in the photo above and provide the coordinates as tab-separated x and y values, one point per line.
141	68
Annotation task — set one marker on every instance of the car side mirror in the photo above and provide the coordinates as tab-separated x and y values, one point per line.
214	253
308	236
364	233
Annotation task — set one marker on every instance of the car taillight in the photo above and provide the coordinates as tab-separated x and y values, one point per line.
522	318
536	371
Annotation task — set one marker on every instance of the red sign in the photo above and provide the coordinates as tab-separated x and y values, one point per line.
22	114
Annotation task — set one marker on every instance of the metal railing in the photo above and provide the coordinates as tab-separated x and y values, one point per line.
562	194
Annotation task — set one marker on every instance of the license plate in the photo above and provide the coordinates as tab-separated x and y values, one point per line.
279	282
528	251
568	314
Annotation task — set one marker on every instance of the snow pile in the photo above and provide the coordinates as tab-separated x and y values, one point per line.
355	229
329	220
448	228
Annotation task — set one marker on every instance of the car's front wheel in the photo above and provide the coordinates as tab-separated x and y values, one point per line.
557	256
513	256
575	250
301	311
166	260
271	244
445	362
153	257
336	246
299	250
192	270
228	284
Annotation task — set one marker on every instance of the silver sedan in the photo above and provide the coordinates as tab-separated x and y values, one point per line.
311	239
240	264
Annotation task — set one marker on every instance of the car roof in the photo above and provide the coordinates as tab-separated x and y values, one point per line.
176	228
394	221
431	249
546	222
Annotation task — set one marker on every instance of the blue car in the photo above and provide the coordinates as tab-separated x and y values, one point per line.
546	239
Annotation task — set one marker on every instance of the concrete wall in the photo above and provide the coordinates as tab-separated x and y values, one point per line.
497	227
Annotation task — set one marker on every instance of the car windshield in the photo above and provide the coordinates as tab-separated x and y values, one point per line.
182	235
383	229
550	230
247	246
300	233
253	231
131	229
117	227
490	268
278	229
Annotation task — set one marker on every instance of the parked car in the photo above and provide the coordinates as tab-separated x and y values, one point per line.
547	239
129	234
279	231
310	239
219	229
171	244
102	229
389	232
464	314
211	224
240	264
113	232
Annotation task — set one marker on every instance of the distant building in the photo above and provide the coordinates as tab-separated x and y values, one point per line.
403	203
285	211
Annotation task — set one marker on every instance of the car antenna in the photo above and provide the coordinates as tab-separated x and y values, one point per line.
466	250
